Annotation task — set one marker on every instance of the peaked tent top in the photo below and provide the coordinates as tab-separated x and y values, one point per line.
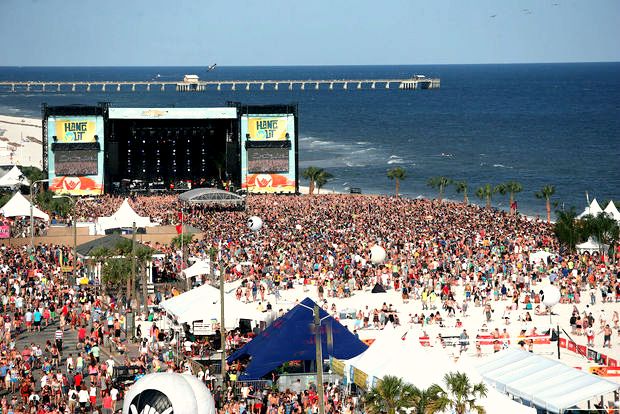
19	206
291	337
612	210
125	217
13	177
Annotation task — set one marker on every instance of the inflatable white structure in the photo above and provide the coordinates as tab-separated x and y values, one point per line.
168	393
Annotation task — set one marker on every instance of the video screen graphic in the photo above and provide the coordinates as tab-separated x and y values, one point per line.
76	162
267	160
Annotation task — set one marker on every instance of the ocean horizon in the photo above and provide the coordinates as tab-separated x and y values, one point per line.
537	124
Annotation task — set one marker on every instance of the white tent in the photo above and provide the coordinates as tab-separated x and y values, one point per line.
592	246
19	206
203	304
548	384
612	210
124	218
593	209
200	267
536	257
13	177
423	367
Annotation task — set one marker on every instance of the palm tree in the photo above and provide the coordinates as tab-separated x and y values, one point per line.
603	227
512	188
310	174
390	395
439	183
486	193
321	179
567	229
397	174
459	396
546	192
461	187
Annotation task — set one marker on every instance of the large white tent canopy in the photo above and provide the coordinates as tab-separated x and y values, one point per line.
13	177
421	366
203	304
19	206
540	255
124	218
548	384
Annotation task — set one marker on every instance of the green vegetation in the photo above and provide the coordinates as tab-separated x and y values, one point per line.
440	183
397	174
545	193
317	177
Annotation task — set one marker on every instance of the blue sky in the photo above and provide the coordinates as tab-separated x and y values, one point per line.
314	32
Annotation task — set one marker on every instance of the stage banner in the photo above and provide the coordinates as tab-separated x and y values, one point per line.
267	128
5	232
337	366
76	130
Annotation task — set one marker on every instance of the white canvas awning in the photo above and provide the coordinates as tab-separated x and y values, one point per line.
19	206
13	177
124	218
548	384
203	304
536	257
592	246
200	267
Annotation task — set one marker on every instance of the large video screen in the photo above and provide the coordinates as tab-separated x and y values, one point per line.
75	156
267	160
76	162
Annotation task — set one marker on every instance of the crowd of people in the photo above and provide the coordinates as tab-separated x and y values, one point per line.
451	259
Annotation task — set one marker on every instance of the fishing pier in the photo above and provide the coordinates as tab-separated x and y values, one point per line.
191	83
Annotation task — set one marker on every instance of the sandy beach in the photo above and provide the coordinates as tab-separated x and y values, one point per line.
20	141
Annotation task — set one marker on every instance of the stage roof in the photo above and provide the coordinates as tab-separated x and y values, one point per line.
211	196
173	113
291	338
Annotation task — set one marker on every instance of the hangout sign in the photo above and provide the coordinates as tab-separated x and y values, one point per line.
267	128
268	163
75	154
76	130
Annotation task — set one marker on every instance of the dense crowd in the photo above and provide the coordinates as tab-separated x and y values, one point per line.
447	256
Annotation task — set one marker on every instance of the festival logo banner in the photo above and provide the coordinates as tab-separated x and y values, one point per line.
268	128
72	130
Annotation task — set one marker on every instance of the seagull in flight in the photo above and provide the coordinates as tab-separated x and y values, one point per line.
492	16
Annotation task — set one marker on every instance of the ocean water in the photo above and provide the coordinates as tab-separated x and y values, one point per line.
537	124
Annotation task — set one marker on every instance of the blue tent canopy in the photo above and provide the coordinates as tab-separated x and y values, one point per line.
291	337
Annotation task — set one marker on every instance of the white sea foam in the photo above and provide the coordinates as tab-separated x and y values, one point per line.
501	166
396	161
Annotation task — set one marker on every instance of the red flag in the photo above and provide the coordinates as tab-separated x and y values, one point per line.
179	228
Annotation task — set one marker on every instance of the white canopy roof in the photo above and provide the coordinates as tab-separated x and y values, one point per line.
592	246
124	218
549	384
19	206
593	209
612	210
422	367
203	304
200	267
536	257
13	177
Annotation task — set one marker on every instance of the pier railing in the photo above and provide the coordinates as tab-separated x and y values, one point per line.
218	85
